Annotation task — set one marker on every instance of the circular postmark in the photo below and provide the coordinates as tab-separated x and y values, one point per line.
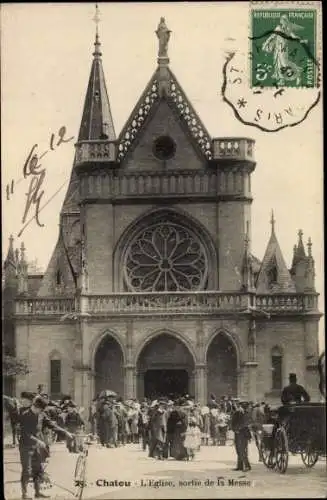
276	83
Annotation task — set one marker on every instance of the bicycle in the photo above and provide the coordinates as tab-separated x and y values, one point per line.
80	467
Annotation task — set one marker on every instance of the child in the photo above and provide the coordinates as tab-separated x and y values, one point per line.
192	438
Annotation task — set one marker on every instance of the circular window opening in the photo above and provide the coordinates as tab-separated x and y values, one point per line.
164	148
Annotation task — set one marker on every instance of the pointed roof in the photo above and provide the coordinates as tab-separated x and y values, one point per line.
164	85
274	265
300	247
97	122
72	198
61	262
10	259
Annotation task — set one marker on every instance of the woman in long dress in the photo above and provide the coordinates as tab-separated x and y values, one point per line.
205	425
178	422
278	44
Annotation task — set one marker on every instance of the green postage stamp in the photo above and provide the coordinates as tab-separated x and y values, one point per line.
283	48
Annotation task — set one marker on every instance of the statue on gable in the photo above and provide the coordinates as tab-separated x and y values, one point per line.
163	34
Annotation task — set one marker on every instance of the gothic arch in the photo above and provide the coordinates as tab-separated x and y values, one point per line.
96	342
164	331
162	214
231	337
108	362
222	357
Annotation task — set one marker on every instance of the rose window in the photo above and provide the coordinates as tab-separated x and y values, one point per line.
166	257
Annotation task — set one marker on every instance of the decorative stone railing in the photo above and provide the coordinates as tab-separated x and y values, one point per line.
45	306
287	302
95	151
175	302
233	148
110	185
222	148
170	303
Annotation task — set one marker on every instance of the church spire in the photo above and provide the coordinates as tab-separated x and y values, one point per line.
97	44
97	122
300	246
272	222
10	259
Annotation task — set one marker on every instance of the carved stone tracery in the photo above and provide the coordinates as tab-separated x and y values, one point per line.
166	257
136	123
191	119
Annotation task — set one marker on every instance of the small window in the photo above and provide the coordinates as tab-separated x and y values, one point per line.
55	376
164	148
272	275
58	278
277	368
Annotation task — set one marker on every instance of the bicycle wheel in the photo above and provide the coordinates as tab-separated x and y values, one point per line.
281	450
79	477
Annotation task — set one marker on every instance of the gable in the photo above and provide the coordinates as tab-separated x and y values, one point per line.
164	89
163	122
274	277
58	264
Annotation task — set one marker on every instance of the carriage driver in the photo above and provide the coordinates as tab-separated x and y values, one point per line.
294	392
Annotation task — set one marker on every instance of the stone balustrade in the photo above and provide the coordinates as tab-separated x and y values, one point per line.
170	303
45	306
223	148
287	302
95	151
233	148
174	302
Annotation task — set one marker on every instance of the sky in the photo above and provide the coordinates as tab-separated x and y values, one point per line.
46	55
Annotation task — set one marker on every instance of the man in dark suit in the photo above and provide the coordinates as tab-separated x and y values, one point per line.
30	445
294	392
240	426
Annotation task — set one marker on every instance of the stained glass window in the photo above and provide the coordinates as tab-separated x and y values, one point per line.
166	257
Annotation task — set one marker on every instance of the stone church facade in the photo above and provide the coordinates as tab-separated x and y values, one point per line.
152	286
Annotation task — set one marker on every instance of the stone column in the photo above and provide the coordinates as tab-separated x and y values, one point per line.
252	364
130	381
201	383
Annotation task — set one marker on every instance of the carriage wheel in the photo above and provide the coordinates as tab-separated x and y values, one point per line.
268	457
309	455
281	450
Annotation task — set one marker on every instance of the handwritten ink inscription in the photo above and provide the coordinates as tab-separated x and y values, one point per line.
33	169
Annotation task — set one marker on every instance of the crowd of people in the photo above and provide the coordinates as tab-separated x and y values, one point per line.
163	427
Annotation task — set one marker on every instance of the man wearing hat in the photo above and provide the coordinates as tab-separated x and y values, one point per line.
240	427
294	392
30	445
73	423
26	399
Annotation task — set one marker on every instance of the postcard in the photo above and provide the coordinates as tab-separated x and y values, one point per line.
163	242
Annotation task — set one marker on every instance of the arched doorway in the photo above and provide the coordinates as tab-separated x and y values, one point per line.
165	368
109	366
221	367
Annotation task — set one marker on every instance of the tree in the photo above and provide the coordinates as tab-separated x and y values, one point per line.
12	366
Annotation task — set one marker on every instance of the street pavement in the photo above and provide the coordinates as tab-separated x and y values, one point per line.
127	473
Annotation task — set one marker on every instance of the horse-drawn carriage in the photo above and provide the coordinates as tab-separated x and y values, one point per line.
298	429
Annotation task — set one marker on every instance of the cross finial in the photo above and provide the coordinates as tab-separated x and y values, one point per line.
97	20
272	221
11	241
300	233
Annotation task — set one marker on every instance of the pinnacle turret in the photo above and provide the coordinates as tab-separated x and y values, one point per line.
97	122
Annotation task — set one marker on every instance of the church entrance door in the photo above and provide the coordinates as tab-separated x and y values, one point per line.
165	367
171	383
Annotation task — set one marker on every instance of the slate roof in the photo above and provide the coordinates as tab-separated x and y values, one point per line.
273	258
